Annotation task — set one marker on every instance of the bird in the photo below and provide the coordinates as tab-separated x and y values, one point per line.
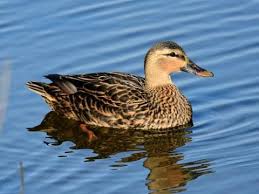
125	101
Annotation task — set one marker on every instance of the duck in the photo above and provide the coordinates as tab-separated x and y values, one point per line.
122	100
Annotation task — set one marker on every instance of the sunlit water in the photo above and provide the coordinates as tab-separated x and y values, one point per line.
219	154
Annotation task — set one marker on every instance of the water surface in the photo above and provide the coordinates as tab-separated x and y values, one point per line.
219	154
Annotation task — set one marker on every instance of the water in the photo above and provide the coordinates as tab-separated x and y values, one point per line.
219	154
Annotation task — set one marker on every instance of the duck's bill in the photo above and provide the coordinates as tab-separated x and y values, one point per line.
191	67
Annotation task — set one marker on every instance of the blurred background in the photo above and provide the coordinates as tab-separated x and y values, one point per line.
219	154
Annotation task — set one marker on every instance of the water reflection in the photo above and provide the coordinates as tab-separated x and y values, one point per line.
166	174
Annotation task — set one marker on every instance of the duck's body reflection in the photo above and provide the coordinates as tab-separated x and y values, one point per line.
166	174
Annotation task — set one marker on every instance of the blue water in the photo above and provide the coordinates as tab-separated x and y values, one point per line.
219	154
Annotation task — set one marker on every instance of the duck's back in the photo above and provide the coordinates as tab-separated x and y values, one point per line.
98	99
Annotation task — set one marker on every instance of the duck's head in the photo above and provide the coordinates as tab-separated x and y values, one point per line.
168	57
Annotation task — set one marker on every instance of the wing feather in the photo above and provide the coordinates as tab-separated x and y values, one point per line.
102	97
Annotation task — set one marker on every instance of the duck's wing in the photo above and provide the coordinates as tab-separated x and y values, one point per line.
101	96
119	87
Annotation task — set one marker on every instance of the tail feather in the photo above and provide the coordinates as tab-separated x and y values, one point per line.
53	95
37	87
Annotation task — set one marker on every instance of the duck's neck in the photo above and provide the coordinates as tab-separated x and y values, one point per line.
156	77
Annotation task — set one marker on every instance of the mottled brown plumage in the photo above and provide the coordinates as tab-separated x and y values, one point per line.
120	100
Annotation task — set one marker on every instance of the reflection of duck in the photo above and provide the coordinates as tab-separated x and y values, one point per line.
124	101
109	141
157	150
167	175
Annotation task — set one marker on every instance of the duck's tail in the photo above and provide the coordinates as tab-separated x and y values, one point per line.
37	87
45	90
56	98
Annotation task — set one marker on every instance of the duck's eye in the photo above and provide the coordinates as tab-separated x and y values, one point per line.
173	54
179	56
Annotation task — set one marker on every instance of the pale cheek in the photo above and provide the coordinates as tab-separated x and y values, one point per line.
170	65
